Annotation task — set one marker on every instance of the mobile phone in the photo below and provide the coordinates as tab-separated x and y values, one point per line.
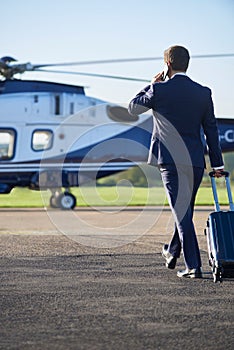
165	72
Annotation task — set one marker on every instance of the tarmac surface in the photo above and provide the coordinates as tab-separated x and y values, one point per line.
95	279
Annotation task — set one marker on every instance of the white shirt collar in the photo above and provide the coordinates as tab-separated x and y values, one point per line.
180	73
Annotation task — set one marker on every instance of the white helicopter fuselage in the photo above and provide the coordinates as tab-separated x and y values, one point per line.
48	127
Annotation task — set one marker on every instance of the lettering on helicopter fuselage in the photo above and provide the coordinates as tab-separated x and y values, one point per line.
228	136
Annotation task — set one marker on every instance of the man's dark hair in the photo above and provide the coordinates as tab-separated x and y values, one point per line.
178	56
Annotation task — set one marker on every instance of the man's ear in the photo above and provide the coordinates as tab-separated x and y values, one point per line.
169	69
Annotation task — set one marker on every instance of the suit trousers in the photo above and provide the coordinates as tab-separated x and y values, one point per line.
181	183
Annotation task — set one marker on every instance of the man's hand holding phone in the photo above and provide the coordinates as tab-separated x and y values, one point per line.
157	78
160	76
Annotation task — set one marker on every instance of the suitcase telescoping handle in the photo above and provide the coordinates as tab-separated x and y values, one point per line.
214	189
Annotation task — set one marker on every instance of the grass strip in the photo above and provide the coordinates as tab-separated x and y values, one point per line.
105	196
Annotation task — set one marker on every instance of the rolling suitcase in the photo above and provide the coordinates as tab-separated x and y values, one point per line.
220	235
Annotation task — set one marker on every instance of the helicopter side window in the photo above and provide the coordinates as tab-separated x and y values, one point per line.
42	140
7	144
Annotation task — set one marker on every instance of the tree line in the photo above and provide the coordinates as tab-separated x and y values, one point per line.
148	176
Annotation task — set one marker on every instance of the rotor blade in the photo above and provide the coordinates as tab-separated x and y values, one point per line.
123	60
94	75
80	63
214	55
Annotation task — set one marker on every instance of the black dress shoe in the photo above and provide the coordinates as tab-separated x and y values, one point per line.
170	259
190	273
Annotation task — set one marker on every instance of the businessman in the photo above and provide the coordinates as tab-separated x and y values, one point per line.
182	112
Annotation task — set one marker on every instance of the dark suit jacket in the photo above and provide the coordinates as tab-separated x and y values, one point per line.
182	109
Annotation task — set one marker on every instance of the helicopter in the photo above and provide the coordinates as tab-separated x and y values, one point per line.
54	137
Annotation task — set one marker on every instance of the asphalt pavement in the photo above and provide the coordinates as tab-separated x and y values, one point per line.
60	290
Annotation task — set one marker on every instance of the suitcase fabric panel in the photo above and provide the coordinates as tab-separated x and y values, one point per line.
220	234
221	227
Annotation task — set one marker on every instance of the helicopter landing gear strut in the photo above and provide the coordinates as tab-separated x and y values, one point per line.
63	200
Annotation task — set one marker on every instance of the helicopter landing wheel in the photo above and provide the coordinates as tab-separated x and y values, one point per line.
66	201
